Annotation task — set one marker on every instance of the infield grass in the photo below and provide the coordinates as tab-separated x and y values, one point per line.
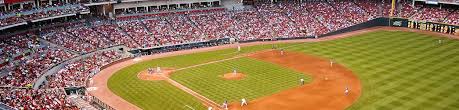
160	95
261	79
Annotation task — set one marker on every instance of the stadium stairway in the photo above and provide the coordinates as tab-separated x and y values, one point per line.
124	33
43	41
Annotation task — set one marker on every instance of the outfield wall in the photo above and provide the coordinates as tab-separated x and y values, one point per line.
364	25
401	22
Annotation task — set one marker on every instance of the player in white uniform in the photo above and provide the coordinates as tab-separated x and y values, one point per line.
210	108
331	63
243	102
238	48
302	81
346	91
225	105
282	51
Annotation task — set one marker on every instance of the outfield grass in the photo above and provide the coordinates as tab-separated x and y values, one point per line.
154	95
262	79
399	70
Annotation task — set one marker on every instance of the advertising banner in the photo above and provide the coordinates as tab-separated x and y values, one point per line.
435	27
423	25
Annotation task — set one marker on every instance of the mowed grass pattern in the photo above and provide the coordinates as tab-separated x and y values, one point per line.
399	70
160	95
262	79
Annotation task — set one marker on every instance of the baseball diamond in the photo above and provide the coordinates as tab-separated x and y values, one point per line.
229	55
383	69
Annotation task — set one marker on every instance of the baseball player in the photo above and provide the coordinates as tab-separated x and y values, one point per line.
158	69
150	71
331	63
225	105
243	102
238	48
302	81
346	91
210	108
282	51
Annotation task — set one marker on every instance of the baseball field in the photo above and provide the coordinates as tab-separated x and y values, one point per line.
383	69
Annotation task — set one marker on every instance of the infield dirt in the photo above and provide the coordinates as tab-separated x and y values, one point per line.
325	92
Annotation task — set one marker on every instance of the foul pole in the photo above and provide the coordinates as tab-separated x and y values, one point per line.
392	10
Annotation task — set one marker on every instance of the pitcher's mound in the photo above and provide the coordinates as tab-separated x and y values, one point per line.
145	75
232	76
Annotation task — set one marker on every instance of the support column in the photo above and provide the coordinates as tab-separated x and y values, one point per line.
103	10
8	7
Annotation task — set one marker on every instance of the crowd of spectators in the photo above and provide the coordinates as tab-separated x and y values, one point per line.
431	13
76	73
162	31
186	30
351	11
26	59
328	15
40	99
112	32
22	69
91	36
136	29
453	18
68	40
278	20
18	16
407	10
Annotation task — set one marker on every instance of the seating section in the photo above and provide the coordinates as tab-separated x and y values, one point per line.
67	40
41	99
76	74
328	15
92	37
434	14
138	32
453	18
115	34
186	30
27	57
351	11
24	68
162	31
18	16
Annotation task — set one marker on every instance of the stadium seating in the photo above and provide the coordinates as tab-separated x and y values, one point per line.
453	18
18	16
41	99
76	74
26	58
26	67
